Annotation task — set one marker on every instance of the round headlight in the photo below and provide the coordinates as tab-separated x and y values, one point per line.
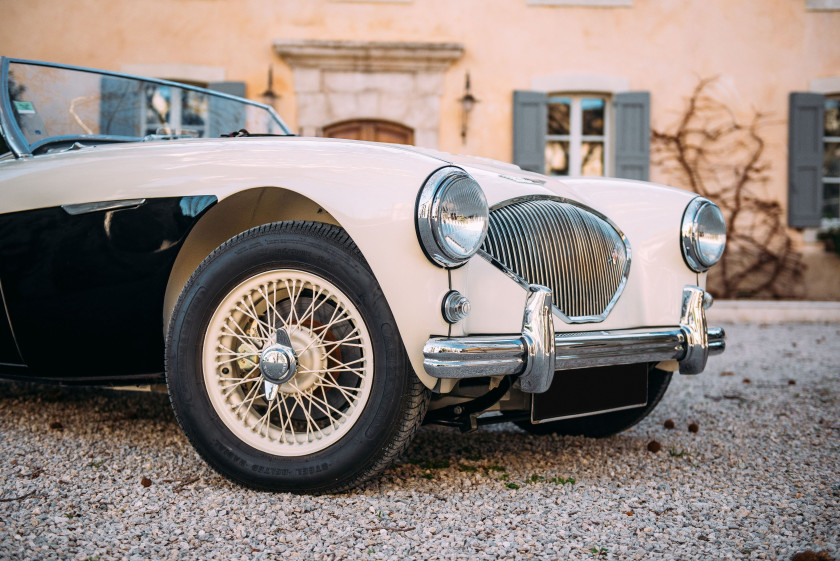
451	216
703	234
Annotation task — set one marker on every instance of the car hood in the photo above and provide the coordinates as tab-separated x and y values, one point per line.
338	163
502	181
467	161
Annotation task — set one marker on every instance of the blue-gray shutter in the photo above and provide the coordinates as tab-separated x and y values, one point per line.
805	159
632	135
225	117
530	124
120	107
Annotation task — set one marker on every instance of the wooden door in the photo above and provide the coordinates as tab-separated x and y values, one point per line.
373	130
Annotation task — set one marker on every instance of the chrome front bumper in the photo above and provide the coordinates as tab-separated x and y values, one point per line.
538	352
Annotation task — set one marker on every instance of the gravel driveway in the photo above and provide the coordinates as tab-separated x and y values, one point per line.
94	474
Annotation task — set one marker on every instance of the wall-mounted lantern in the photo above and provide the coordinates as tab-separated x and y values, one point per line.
468	102
269	97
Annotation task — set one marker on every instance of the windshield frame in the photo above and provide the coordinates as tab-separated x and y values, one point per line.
21	148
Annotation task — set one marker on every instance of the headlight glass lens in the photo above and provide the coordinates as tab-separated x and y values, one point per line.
703	234
452	217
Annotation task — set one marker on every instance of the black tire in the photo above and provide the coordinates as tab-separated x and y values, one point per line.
312	437
607	424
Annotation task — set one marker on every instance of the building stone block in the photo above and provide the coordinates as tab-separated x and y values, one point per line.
307	80
368	104
346	82
311	109
423	110
426	138
392	82
340	107
428	83
394	107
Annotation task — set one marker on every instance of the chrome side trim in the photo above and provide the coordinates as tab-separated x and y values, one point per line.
85	208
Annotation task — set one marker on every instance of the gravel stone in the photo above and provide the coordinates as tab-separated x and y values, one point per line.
760	481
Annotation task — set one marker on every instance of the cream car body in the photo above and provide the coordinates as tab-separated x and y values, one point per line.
370	191
312	297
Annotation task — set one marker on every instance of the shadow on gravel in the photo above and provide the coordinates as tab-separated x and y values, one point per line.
510	456
95	401
66	419
123	418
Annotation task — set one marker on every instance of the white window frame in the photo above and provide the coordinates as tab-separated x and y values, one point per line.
833	221
828	87
576	138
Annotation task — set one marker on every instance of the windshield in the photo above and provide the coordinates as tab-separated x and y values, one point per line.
51	103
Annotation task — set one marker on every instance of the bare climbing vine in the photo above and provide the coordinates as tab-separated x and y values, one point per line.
723	159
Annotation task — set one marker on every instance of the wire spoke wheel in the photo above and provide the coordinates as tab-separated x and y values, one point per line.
284	363
334	373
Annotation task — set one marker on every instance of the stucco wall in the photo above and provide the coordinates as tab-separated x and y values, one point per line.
761	49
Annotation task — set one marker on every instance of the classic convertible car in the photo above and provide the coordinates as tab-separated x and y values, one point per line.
308	303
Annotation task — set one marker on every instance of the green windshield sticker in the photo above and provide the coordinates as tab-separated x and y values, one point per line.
24	107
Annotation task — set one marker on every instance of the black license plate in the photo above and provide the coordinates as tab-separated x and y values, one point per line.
588	391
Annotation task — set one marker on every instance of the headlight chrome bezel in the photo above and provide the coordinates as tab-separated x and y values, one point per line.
695	218
428	221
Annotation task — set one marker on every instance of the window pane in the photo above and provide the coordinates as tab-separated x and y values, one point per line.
158	107
592	158
194	109
831	159
593	115
832	116
831	200
557	157
559	112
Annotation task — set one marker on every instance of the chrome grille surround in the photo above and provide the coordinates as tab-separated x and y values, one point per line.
572	249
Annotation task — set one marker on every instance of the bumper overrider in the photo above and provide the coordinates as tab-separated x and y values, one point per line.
537	353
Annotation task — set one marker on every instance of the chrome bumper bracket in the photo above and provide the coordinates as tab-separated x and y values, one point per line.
538	338
693	325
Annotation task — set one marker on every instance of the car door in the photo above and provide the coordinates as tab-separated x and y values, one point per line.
84	283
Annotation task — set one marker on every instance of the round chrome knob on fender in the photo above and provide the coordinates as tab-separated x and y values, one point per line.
455	307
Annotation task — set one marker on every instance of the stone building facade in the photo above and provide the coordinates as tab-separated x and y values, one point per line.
565	86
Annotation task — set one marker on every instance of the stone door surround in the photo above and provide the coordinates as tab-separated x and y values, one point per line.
395	81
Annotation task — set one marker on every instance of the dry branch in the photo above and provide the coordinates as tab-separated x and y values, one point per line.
717	156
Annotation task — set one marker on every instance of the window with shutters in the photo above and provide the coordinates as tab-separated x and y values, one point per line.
168	110
831	158
577	135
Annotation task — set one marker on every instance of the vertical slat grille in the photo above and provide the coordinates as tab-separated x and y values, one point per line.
575	253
